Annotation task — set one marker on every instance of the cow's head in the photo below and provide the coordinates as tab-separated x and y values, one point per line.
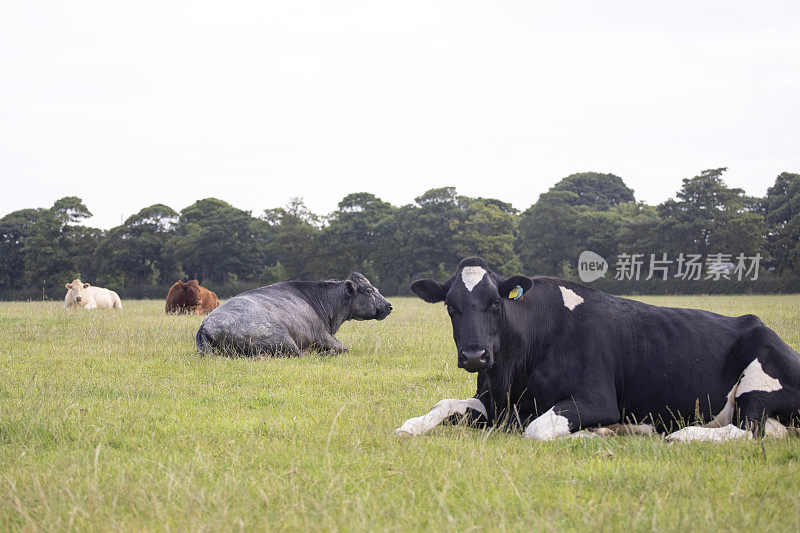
76	291
365	301
190	292
477	301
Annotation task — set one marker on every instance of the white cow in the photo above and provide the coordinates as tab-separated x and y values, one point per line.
81	295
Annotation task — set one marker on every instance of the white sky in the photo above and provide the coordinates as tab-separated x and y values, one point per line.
130	104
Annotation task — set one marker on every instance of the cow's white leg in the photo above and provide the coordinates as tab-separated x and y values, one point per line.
726	415
773	428
698	433
441	411
547	427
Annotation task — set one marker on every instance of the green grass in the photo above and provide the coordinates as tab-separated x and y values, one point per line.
112	420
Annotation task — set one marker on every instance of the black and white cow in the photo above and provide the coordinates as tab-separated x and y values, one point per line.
290	317
557	358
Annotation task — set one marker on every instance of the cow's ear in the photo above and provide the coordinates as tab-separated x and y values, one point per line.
86	285
514	287
68	286
429	290
193	282
350	287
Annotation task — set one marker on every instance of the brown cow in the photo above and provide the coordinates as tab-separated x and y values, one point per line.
190	298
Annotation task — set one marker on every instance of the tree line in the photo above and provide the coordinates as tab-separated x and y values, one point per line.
230	249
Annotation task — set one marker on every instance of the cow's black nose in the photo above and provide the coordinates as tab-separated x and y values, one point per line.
380	314
472	361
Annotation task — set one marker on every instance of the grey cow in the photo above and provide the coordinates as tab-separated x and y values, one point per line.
292	316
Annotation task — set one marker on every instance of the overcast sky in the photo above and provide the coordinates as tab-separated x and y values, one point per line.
130	104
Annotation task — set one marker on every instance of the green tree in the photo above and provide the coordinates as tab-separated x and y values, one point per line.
133	253
57	247
69	210
710	217
15	228
781	210
428	230
640	231
584	211
81	243
487	228
430	238
782	202
295	240
394	260
547	233
596	190
215	241
598	231
351	239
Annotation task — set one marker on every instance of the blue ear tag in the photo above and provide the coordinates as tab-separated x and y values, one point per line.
516	293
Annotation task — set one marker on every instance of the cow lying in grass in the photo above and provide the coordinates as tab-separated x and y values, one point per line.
290	317
190	298
81	295
556	358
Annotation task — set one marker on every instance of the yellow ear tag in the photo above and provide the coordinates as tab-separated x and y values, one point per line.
516	293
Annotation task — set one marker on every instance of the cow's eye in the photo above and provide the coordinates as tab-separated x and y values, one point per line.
368	290
496	305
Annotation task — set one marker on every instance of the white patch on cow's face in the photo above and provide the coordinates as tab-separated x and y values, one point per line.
754	378
442	410
697	433
570	297
547	427
471	276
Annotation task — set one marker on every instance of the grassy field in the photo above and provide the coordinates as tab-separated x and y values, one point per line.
112	420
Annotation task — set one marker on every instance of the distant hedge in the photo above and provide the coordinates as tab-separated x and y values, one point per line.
767	284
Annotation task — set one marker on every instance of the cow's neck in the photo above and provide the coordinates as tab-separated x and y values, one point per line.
520	344
509	359
329	300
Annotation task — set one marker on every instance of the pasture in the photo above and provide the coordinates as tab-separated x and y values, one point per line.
112	420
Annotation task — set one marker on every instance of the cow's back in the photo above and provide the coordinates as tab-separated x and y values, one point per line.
666	362
272	311
208	299
681	359
103	298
